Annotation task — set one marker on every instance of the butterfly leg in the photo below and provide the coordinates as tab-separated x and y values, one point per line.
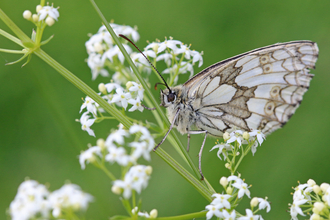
188	142
201	150
148	107
175	117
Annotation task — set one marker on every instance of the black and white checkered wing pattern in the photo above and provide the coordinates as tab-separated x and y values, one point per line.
260	89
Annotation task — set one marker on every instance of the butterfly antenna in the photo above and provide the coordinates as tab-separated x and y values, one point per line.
120	35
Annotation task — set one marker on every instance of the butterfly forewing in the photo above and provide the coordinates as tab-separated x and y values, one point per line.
260	89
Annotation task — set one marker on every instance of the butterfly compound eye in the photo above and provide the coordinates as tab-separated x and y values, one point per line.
171	97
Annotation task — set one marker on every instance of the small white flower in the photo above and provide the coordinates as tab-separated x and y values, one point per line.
90	105
86	123
222	148
117	155
115	51
112	86
140	59
184	49
236	136
227	216
96	64
221	199
167	57
136	105
214	210
326	196
242	187
69	196
135	179
254	148
138	128
197	57
183	68
249	216
126	185
141	149
260	136
116	136
48	11
295	209
121	97
264	204
138	88
169	44
89	155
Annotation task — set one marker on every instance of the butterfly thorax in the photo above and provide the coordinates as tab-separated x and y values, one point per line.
186	116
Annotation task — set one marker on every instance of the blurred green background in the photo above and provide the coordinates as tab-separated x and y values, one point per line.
40	139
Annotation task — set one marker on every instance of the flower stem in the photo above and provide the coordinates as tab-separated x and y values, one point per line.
178	145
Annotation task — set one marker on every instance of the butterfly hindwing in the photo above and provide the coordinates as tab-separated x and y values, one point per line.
260	89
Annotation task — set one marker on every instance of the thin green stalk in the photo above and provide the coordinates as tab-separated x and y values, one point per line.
184	217
147	90
197	184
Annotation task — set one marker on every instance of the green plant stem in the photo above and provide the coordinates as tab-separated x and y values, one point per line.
183	217
197	184
178	143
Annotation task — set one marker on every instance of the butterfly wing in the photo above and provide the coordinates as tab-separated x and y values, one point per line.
260	89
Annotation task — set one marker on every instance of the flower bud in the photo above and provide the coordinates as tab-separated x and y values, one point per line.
50	21
224	181
129	84
148	170
102	88
315	217
246	135
254	202
116	189
226	136
311	182
155	48
227	165
318	207
316	189
35	17
27	14
154	213
101	143
229	190
38	8
324	187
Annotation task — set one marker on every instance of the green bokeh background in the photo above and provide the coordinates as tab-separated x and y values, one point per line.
40	139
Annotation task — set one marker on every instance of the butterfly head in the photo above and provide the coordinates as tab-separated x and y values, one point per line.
170	96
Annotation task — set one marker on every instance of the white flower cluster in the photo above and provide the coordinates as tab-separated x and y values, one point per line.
313	198
113	151
104	55
240	137
223	204
34	199
112	93
169	52
102	50
48	14
113	147
135	179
